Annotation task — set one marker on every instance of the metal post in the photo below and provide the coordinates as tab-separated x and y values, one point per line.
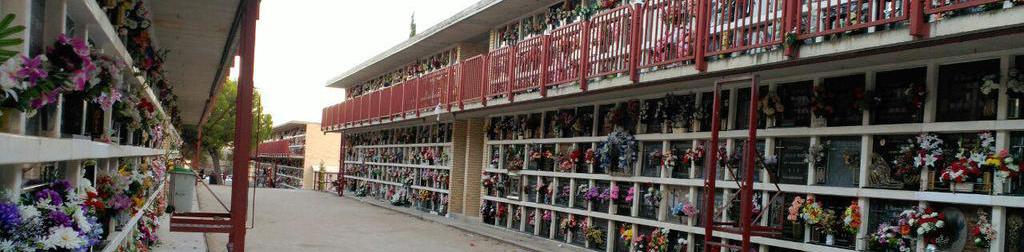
584	54
747	189
545	62
513	51
711	169
341	165
702	31
918	27
634	44
243	127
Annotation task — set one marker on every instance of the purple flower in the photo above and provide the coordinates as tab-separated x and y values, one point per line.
61	186
81	48
10	217
60	219
120	201
46	98
53	196
32	69
79	78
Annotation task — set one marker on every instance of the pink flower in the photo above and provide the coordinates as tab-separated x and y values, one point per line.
32	69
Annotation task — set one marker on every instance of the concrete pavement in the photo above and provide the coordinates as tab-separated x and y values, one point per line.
297	220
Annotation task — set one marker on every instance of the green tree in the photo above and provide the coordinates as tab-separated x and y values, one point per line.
219	130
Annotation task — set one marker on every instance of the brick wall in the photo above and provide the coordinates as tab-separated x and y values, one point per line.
457	181
320	147
474	165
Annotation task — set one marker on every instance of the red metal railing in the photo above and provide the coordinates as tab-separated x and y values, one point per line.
744	25
933	7
609	41
668	32
454	97
825	17
409	99
616	42
499	69
432	89
397	96
472	79
273	148
527	63
564	54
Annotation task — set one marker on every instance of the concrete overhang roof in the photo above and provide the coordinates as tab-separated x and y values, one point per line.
477	20
201	38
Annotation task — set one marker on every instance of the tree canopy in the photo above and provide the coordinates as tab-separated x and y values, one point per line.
219	130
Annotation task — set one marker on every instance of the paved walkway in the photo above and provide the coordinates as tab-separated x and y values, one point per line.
178	241
294	220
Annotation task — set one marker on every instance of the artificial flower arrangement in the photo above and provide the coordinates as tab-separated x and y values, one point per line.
569	161
656	158
794	210
889	237
652	197
989	84
1015	83
821	102
56	217
679	110
672	160
626	232
597	194
546	216
658	240
618	153
916	93
771	105
589	156
922	152
973	157
568	224
983	232
817	154
695	154
487	181
687	209
541	157
595	235
851	218
925	223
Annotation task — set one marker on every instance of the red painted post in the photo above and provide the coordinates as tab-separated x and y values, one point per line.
918	27
243	128
416	96
701	47
584	54
712	169
545	62
483	79
747	190
634	44
512	52
791	24
462	84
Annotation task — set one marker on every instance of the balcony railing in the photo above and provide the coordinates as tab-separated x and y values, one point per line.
629	39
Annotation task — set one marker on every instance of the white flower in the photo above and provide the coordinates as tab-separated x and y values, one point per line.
63	237
28	212
83	222
7	246
8	81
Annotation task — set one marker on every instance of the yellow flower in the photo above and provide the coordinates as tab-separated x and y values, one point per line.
994	161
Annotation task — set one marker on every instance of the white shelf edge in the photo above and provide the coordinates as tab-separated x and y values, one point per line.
21	149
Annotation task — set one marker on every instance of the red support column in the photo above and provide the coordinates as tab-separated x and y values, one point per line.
634	44
243	128
545	62
484	82
341	165
712	169
791	25
918	26
462	84
747	189
701	47
584	55
513	52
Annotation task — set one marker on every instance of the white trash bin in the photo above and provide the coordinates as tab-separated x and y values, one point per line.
184	181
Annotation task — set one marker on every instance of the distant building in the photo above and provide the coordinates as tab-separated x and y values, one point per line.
294	151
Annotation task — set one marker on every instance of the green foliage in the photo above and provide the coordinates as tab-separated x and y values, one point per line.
219	130
6	30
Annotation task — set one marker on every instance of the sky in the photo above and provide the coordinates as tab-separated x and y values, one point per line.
301	45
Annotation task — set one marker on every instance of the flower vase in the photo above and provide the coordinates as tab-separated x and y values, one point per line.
830	240
961	187
819	122
12	121
695	125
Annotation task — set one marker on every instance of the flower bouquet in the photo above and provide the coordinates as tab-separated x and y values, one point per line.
983	232
851	218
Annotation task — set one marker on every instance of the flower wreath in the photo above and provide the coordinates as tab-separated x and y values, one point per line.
618	152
